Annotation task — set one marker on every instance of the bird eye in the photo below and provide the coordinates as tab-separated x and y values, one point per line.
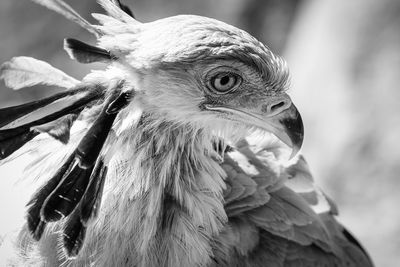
224	82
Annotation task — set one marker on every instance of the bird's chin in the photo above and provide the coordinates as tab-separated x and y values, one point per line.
287	125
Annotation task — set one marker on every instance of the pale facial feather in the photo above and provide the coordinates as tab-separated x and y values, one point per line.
169	59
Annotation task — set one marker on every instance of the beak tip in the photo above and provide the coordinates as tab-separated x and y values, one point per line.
295	130
295	150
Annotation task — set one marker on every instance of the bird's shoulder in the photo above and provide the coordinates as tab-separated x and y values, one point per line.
277	213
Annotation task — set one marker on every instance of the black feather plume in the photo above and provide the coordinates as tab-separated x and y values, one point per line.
85	53
74	108
28	120
13	139
91	144
35	223
68	196
75	227
75	191
73	234
10	114
89	147
62	201
90	203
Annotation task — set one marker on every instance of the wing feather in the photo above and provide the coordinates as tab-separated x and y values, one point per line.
294	217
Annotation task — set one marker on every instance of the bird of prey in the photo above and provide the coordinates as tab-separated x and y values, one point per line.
170	156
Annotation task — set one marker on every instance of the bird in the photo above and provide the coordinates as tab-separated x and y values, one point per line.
182	151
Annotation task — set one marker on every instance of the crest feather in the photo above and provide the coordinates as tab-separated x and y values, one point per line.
67	11
118	11
85	53
22	72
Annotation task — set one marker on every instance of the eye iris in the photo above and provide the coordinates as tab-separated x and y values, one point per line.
224	82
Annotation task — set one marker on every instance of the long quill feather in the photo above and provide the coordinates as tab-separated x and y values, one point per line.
67	11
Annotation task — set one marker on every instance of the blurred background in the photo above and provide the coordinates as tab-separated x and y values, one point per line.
344	58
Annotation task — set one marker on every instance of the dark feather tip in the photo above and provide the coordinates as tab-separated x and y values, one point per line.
34	220
75	226
73	235
91	201
85	53
63	200
13	139
125	8
36	227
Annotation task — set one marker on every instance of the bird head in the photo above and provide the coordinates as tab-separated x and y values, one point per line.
201	71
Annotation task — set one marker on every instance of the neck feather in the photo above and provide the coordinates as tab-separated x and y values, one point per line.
163	200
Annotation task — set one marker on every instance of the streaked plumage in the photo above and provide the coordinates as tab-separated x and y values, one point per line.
158	159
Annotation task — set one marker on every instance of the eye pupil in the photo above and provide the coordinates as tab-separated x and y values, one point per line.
225	80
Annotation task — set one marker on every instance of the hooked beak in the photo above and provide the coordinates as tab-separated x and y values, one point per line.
284	121
288	127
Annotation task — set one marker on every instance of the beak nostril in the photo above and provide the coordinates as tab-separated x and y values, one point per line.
277	106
